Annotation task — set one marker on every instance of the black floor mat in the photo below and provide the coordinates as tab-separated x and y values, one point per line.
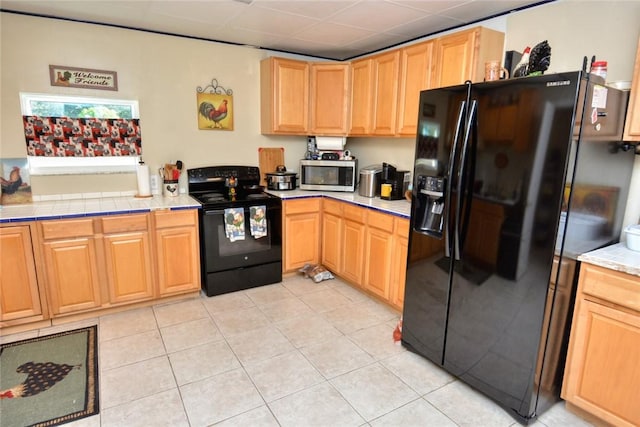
471	273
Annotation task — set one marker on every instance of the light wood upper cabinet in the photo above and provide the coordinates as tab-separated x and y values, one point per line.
415	76
602	375
329	97
632	125
19	293
461	56
127	250
302	230
284	96
361	97
177	251
385	105
71	265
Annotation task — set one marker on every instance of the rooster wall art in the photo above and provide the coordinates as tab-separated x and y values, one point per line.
215	112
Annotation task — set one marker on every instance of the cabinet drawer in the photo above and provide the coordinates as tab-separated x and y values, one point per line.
67	228
402	227
119	224
331	206
302	205
167	219
355	213
609	285
381	221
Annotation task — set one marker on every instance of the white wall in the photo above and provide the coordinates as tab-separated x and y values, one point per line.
162	72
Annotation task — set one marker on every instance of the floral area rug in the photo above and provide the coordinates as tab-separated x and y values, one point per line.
49	380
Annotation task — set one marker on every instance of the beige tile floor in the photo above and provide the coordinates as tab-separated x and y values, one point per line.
294	353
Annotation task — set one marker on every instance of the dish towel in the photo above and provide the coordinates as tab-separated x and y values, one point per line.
258	221
234	224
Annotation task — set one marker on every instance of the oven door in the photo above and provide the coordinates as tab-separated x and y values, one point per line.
220	253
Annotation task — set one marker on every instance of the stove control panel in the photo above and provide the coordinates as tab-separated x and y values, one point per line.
222	173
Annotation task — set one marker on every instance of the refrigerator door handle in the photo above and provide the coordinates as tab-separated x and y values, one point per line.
460	187
462	112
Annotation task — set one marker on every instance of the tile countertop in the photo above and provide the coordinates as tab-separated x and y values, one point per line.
75	207
615	257
401	208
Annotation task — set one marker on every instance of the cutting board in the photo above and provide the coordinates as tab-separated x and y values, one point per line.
269	158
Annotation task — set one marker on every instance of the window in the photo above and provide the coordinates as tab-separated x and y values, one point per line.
79	107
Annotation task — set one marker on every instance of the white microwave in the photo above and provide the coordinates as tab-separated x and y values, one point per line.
328	175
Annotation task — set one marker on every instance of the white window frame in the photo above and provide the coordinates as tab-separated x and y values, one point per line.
39	165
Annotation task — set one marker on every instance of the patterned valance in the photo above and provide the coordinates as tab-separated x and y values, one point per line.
89	137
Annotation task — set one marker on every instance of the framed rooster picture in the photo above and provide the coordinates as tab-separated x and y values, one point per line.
215	111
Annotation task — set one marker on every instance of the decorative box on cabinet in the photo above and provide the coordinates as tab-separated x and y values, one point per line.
461	56
302	232
20	300
177	251
602	374
632	124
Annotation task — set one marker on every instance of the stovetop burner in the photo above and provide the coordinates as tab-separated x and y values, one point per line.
212	185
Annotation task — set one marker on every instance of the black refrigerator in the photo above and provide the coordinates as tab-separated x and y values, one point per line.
512	180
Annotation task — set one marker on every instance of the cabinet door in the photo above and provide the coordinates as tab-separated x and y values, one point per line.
178	260
72	275
361	97
461	56
378	250
632	125
284	86
386	92
19	295
331	242
454	58
602	375
302	232
329	96
415	76
353	253
128	265
399	262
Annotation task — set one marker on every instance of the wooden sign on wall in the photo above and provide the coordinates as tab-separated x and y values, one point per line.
87	78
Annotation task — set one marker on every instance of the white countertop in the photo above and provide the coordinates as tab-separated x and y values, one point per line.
92	206
615	257
401	208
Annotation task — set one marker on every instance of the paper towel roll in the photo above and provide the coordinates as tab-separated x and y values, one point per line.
326	143
144	184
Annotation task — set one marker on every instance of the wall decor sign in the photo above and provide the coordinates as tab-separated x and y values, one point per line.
215	107
81	137
61	75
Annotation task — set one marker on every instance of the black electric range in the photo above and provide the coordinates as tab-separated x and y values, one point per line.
240	229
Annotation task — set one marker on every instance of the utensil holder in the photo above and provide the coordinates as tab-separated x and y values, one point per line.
170	188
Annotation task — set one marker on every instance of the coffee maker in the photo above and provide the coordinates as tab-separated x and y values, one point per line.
397	180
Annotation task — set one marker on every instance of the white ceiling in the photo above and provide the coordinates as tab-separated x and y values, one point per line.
333	29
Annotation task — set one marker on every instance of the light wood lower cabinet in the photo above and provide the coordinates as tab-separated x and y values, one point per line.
71	265
353	238
95	263
602	375
19	293
178	251
302	227
127	250
399	262
365	247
